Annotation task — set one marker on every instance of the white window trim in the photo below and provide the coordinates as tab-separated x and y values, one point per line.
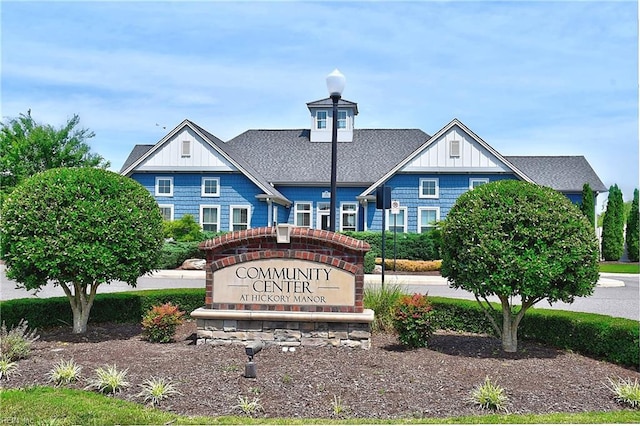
167	206
477	180
322	212
343	211
185	153
296	211
159	178
422	181
239	206
204	194
346	119
403	212
452	152
420	210
326	120
209	206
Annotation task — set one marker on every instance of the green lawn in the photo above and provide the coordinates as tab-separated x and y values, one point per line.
621	268
55	406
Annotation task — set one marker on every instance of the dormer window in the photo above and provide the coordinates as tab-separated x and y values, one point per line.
321	120
342	119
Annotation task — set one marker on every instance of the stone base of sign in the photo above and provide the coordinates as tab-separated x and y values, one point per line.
285	329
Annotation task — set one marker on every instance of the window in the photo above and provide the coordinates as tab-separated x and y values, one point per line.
209	218
474	183
342	119
302	213
454	148
429	188
186	149
427	218
164	186
348	216
239	218
323	214
210	187
321	120
166	210
397	222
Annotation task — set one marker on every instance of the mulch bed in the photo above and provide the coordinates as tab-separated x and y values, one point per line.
387	381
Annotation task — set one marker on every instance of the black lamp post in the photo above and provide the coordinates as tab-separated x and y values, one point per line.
335	85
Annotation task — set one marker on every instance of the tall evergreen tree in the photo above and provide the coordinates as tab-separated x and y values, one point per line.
633	230
613	226
588	205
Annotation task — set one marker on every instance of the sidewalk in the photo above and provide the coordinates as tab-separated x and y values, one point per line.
606	279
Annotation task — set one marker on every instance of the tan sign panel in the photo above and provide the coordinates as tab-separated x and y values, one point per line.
283	282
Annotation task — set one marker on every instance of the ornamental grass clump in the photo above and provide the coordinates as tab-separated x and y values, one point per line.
413	320
489	396
156	390
160	323
109	380
15	344
64	372
626	392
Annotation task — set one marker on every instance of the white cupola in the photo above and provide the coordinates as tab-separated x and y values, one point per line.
322	120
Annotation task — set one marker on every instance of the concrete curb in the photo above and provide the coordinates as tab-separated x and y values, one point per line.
606	280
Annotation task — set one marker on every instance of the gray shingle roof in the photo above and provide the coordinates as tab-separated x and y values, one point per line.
328	103
562	173
137	152
288	157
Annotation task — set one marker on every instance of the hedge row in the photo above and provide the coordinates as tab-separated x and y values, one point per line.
615	340
411	246
612	339
108	307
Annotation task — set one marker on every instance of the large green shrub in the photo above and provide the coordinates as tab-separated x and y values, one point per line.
411	246
633	230
79	228
516	239
184	229
173	254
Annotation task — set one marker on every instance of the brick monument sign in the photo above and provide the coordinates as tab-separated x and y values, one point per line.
285	285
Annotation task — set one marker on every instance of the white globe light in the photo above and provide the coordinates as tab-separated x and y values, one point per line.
335	83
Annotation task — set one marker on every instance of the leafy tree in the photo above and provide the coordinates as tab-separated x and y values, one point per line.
633	230
79	228
516	239
588	205
28	147
613	226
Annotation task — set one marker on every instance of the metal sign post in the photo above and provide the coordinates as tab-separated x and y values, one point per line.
395	210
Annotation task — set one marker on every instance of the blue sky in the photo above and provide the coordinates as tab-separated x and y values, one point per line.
530	78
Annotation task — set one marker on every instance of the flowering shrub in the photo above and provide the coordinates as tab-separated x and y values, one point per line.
160	322
413	320
404	265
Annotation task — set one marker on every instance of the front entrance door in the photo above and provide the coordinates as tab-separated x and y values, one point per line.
323	216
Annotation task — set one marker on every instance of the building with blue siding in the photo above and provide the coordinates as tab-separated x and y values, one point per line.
264	177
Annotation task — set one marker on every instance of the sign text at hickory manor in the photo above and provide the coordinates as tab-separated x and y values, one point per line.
283	282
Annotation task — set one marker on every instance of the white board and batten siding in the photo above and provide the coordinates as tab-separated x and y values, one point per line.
473	157
172	156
